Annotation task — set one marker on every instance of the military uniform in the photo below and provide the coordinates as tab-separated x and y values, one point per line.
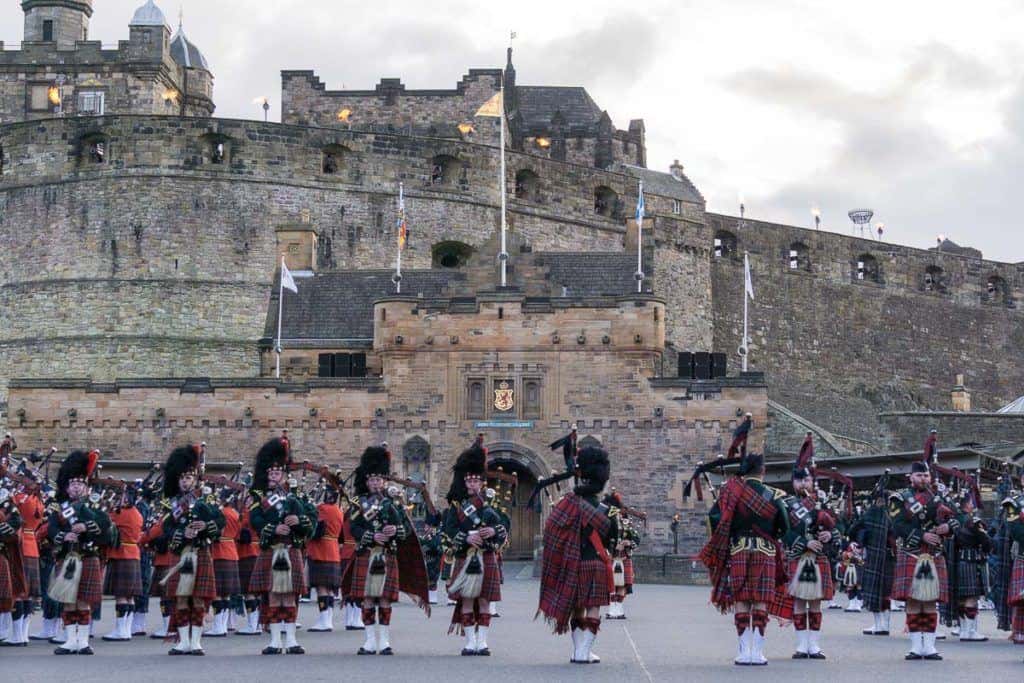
123	577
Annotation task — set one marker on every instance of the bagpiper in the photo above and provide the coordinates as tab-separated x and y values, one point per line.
388	555
872	532
576	567
78	530
622	557
284	523
191	526
123	577
32	512
12	574
474	530
1013	508
811	527
433	551
324	557
920	520
972	546
744	554
154	541
248	547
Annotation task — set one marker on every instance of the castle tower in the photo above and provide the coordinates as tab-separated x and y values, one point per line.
60	21
197	84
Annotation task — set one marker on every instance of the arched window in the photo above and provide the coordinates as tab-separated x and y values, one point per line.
933	279
799	259
444	170
725	244
416	459
527	183
605	199
996	290
217	148
866	268
588	441
94	148
333	160
450	254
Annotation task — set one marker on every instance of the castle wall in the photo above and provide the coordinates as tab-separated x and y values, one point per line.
906	431
838	350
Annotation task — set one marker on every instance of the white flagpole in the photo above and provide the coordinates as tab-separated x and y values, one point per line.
503	256
401	224
280	308
746	339
640	241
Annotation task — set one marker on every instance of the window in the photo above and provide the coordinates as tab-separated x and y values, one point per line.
867	268
531	398
933	279
996	290
604	201
475	398
217	154
341	365
43	97
94	148
450	254
444	170
677	207
90	103
2	159
725	244
48	31
333	161
526	185
798	257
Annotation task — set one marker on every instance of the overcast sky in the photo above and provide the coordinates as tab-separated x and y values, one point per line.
914	109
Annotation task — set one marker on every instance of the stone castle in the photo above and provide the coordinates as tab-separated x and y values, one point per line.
142	235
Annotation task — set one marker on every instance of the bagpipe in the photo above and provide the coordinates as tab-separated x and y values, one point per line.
27	475
702	474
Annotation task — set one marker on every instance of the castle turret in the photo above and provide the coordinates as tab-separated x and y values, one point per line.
58	21
149	34
197	84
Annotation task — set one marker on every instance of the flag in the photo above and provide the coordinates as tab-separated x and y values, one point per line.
748	285
492	107
403	228
640	207
287	281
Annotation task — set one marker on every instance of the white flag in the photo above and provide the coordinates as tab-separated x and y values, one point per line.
748	285
287	281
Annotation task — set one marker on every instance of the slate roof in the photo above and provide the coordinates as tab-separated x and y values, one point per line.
339	305
590	274
664	184
538	103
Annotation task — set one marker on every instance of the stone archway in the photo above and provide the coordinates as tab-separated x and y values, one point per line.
526	521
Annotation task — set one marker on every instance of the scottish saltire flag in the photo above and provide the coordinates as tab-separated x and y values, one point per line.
640	206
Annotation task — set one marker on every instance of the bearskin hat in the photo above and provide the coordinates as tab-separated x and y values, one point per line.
274	453
473	460
594	469
918	467
752	463
78	465
181	460
375	460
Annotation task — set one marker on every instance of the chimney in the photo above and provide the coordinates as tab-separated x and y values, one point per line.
961	396
676	169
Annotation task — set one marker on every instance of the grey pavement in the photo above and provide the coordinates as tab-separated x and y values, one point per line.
672	634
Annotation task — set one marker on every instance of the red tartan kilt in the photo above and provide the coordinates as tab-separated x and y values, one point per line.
342	568
31	567
828	588
1015	594
225	574
1017	625
205	587
491	588
245	568
123	578
262	579
752	576
6	586
325	574
156	590
359	571
90	587
903	578
627	571
592	585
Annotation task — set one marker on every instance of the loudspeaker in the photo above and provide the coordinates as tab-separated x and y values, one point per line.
358	365
342	365
325	365
686	364
719	365
702	365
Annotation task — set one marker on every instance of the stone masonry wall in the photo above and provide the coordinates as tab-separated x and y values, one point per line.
906	431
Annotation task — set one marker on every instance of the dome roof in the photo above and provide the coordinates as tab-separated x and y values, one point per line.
148	15
185	53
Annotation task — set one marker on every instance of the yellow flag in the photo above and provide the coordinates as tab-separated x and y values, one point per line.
492	107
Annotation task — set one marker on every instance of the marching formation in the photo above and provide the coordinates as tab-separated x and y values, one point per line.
223	555
924	549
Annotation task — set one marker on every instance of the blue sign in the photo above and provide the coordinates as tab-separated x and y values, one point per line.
504	424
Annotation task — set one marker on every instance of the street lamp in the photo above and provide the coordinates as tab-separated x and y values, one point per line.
816	212
265	104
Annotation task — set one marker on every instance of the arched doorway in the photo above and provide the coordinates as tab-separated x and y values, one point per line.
525	520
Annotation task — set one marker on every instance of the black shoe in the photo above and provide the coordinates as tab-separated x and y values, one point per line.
319	630
7	643
271	650
936	657
355	628
817	655
387	651
177	653
155	636
296	650
111	639
486	652
215	635
364	651
88	651
912	656
197	653
64	651
466	652
800	655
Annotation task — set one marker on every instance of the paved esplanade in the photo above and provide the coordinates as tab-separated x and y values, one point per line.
672	635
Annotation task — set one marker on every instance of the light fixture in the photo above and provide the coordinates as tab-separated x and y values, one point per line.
816	212
344	115
543	143
466	128
53	92
170	95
